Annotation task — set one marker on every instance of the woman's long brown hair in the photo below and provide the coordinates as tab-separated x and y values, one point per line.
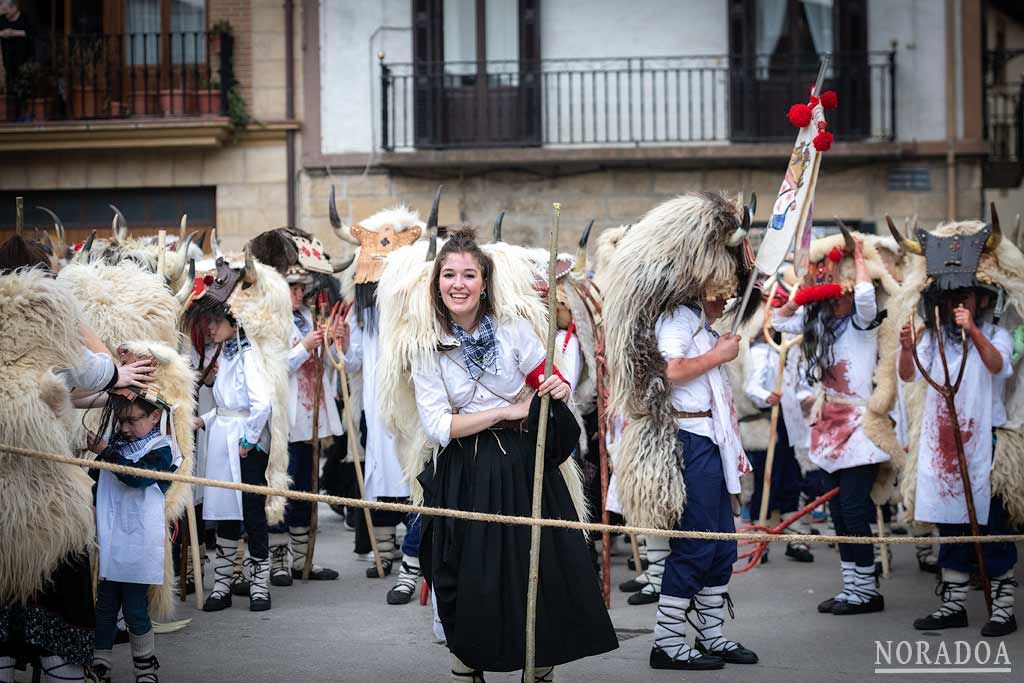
461	241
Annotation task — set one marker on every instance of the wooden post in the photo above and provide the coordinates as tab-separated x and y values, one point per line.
197	559
538	460
314	516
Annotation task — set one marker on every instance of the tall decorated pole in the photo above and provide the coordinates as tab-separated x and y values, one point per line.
538	458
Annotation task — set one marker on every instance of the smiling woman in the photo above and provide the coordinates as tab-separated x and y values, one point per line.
477	399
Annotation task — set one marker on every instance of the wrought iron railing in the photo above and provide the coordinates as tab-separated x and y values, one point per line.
114	76
1004	117
630	101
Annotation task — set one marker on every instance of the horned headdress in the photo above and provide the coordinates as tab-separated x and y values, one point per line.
954	255
684	250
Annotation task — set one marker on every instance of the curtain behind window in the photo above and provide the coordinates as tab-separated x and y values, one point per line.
142	25
459	37
771	14
188	31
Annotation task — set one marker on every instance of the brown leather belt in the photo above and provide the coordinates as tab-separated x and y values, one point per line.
515	425
684	415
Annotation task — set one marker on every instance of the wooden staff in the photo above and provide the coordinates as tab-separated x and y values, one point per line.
783	351
318	369
538	459
19	215
884	546
197	559
183	554
948	392
350	426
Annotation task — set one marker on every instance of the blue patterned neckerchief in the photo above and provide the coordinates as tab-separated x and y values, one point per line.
480	352
233	346
707	324
301	322
839	325
133	450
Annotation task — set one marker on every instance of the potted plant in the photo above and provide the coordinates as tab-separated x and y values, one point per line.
208	98
84	70
29	92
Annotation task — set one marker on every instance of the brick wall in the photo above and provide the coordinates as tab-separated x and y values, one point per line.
238	13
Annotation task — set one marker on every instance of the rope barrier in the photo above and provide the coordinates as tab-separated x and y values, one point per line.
504	519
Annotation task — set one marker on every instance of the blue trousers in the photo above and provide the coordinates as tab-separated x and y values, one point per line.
785	478
130	598
694	564
852	511
999	557
411	543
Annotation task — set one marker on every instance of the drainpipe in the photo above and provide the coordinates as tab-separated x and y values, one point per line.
289	89
950	112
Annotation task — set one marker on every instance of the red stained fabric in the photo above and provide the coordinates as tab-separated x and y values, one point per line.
833	430
947	464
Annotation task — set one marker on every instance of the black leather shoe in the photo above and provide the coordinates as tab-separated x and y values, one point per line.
738	655
259	604
998	629
826	606
875	604
800	553
632	586
371	572
282	577
240	587
660	660
934	622
632	565
215	602
643	598
320	574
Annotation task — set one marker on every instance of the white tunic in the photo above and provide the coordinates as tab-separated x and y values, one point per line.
130	526
301	384
242	408
838	440
681	335
446	388
762	367
940	493
571	365
382	469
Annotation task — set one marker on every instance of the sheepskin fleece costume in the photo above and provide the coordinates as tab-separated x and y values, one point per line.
1005	268
670	258
47	507
410	334
607	243
264	310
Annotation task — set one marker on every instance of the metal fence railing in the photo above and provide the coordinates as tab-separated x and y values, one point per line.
111	76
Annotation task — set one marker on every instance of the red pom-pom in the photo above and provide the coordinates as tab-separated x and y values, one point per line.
829	99
824	292
799	115
823	141
836	255
78	246
813	102
208	280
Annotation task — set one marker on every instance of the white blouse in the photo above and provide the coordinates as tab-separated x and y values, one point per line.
444	387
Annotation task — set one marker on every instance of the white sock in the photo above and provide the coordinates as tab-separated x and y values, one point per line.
144	657
6	669
1002	597
863	587
847	570
670	628
658	550
707	615
954	592
56	670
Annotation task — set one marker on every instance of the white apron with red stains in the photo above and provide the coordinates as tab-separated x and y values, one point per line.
838	440
940	493
301	389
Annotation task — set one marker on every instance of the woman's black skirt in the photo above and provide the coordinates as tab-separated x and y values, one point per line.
479	571
59	620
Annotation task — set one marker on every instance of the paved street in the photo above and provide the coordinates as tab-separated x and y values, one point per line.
344	630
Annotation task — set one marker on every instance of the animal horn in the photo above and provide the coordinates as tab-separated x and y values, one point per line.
992	243
186	288
19	221
341	230
432	224
1016	230
182	226
47	243
83	255
339	266
184	255
215	244
910	246
249	276
201	240
497	226
850	243
740	233
120	225
58	227
580	266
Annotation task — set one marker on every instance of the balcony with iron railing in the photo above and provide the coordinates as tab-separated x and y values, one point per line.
624	102
124	76
1004	118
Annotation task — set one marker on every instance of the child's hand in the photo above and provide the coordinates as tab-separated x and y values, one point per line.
727	347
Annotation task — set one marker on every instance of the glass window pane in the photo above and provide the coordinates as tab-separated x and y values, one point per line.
502	25
188	31
143	28
460	37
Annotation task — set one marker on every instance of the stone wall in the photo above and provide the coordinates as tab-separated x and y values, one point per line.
614	197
